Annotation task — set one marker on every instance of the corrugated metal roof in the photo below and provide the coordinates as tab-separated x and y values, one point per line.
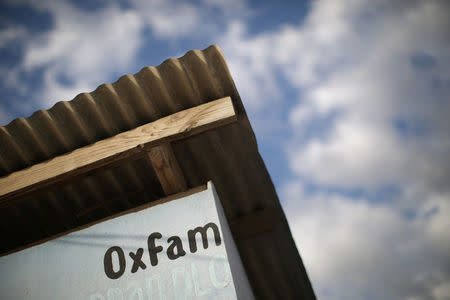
228	156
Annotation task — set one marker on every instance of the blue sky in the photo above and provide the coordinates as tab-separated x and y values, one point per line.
349	100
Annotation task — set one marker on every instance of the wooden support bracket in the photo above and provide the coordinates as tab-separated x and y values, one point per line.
167	169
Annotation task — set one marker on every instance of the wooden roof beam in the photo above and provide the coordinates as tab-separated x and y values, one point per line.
117	148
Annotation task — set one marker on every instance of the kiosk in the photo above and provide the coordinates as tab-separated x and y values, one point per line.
87	192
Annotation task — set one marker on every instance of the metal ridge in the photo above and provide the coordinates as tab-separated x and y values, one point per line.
66	125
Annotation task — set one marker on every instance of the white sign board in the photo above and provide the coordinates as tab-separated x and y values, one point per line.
180	249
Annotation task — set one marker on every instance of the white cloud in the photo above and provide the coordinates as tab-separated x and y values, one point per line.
370	81
11	33
354	249
378	74
169	19
85	47
360	65
82	49
249	62
361	70
4	115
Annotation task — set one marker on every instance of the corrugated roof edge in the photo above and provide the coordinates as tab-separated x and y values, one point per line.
215	47
14	124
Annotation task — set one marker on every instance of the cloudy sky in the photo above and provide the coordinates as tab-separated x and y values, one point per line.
349	100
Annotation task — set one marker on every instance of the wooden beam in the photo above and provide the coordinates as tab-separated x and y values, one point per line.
167	169
119	147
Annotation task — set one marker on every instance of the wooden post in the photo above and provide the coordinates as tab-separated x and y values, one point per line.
167	169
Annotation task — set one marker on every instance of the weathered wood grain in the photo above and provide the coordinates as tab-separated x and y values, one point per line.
167	170
117	148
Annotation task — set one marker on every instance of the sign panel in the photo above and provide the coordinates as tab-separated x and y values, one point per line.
180	249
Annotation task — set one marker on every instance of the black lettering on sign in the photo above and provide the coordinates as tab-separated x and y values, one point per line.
174	250
137	260
152	250
176	243
203	232
108	264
